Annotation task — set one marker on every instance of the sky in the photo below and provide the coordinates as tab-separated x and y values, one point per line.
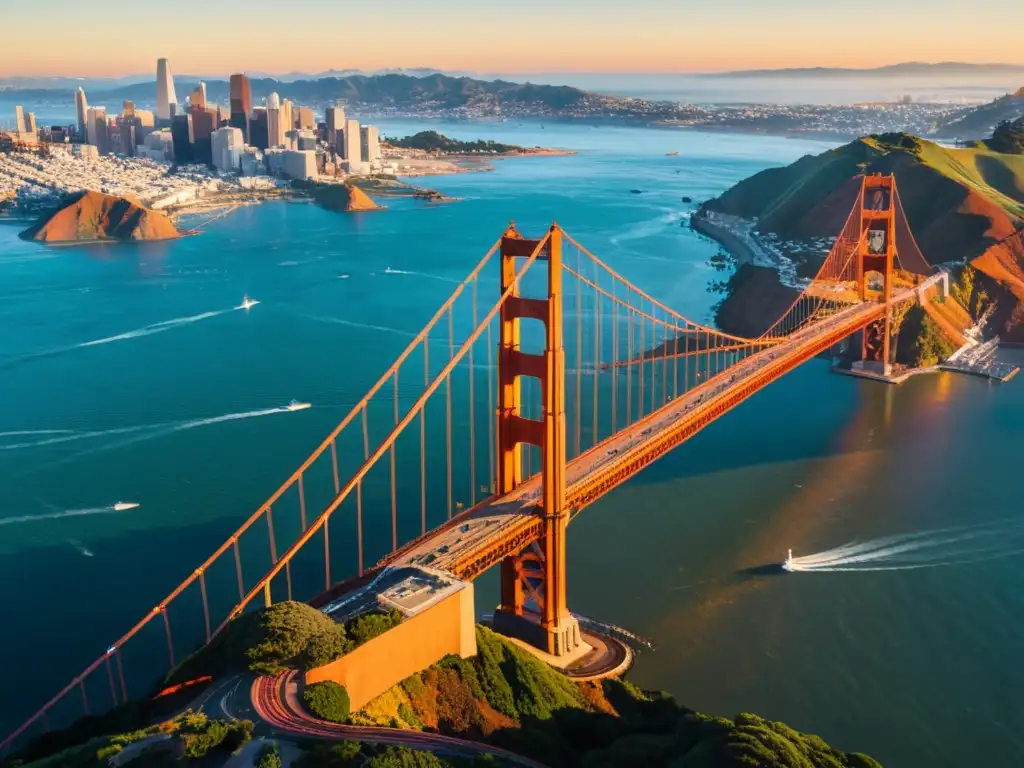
101	38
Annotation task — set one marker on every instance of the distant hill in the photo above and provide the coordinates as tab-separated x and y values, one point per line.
962	204
391	90
95	217
910	68
978	122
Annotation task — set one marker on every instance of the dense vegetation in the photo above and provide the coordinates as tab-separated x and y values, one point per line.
184	741
352	754
327	700
1008	137
285	635
507	697
432	141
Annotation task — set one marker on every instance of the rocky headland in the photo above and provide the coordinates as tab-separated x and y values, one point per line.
91	217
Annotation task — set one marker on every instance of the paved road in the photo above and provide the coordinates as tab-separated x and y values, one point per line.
275	700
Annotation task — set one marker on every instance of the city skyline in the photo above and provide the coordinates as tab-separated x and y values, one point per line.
647	36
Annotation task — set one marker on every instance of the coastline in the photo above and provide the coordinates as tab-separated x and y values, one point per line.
734	245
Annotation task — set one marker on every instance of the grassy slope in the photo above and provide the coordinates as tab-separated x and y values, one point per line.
960	203
507	697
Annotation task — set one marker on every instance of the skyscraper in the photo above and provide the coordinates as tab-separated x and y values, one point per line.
370	144
82	108
335	118
226	148
275	122
19	118
181	134
97	129
304	118
353	142
198	96
241	104
287	116
165	95
259	133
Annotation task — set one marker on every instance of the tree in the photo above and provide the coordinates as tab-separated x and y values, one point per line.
328	701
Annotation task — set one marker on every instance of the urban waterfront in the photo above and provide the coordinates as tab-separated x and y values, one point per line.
890	663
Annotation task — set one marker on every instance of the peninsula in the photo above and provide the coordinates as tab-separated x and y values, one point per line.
436	143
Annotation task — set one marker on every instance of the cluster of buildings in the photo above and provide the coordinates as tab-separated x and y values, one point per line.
279	138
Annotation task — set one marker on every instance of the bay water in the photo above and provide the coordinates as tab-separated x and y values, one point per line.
128	374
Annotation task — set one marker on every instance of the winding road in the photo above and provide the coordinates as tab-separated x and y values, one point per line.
276	702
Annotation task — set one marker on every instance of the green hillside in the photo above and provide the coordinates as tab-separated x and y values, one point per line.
963	205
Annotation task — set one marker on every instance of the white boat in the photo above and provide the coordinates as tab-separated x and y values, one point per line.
788	565
247	303
121	506
295	405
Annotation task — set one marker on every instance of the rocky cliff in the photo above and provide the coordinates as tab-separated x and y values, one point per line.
96	217
963	205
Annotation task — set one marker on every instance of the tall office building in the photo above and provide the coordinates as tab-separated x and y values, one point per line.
287	115
19	118
275	122
241	103
370	142
226	145
335	118
204	123
30	123
82	108
165	95
259	133
198	96
183	138
353	142
304	118
97	129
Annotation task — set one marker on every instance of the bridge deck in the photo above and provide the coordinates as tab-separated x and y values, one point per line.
480	537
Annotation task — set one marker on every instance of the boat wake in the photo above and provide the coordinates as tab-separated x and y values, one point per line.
120	506
149	330
911	551
390	271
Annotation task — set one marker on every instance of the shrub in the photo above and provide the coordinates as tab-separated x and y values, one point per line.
325	648
328	701
409	716
199	734
269	757
371	625
342	755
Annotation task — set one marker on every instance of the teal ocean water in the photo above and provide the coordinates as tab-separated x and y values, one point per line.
127	374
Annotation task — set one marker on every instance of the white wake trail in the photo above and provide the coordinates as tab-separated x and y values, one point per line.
22	432
77	436
926	549
149	330
110	509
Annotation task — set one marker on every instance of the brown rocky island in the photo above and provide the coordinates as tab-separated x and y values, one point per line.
93	217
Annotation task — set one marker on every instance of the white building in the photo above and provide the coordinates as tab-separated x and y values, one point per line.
353	144
85	152
299	164
370	144
82	108
165	95
276	127
95	118
252	162
158	145
226	146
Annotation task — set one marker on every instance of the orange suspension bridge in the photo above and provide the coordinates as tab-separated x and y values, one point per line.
547	391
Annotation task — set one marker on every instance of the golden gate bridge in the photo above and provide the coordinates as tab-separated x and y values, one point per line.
550	389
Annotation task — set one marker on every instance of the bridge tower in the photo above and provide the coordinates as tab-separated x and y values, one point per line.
876	255
538	571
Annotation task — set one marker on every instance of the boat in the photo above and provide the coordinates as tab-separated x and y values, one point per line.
247	303
671	154
295	405
637	191
788	565
121	506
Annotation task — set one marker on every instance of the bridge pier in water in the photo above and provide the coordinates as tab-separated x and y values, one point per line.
537	572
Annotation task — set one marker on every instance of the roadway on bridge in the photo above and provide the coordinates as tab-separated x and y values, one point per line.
458	543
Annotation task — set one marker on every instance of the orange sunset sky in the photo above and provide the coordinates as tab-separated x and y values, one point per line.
104	37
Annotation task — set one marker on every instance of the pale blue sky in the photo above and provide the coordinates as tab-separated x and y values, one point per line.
108	37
